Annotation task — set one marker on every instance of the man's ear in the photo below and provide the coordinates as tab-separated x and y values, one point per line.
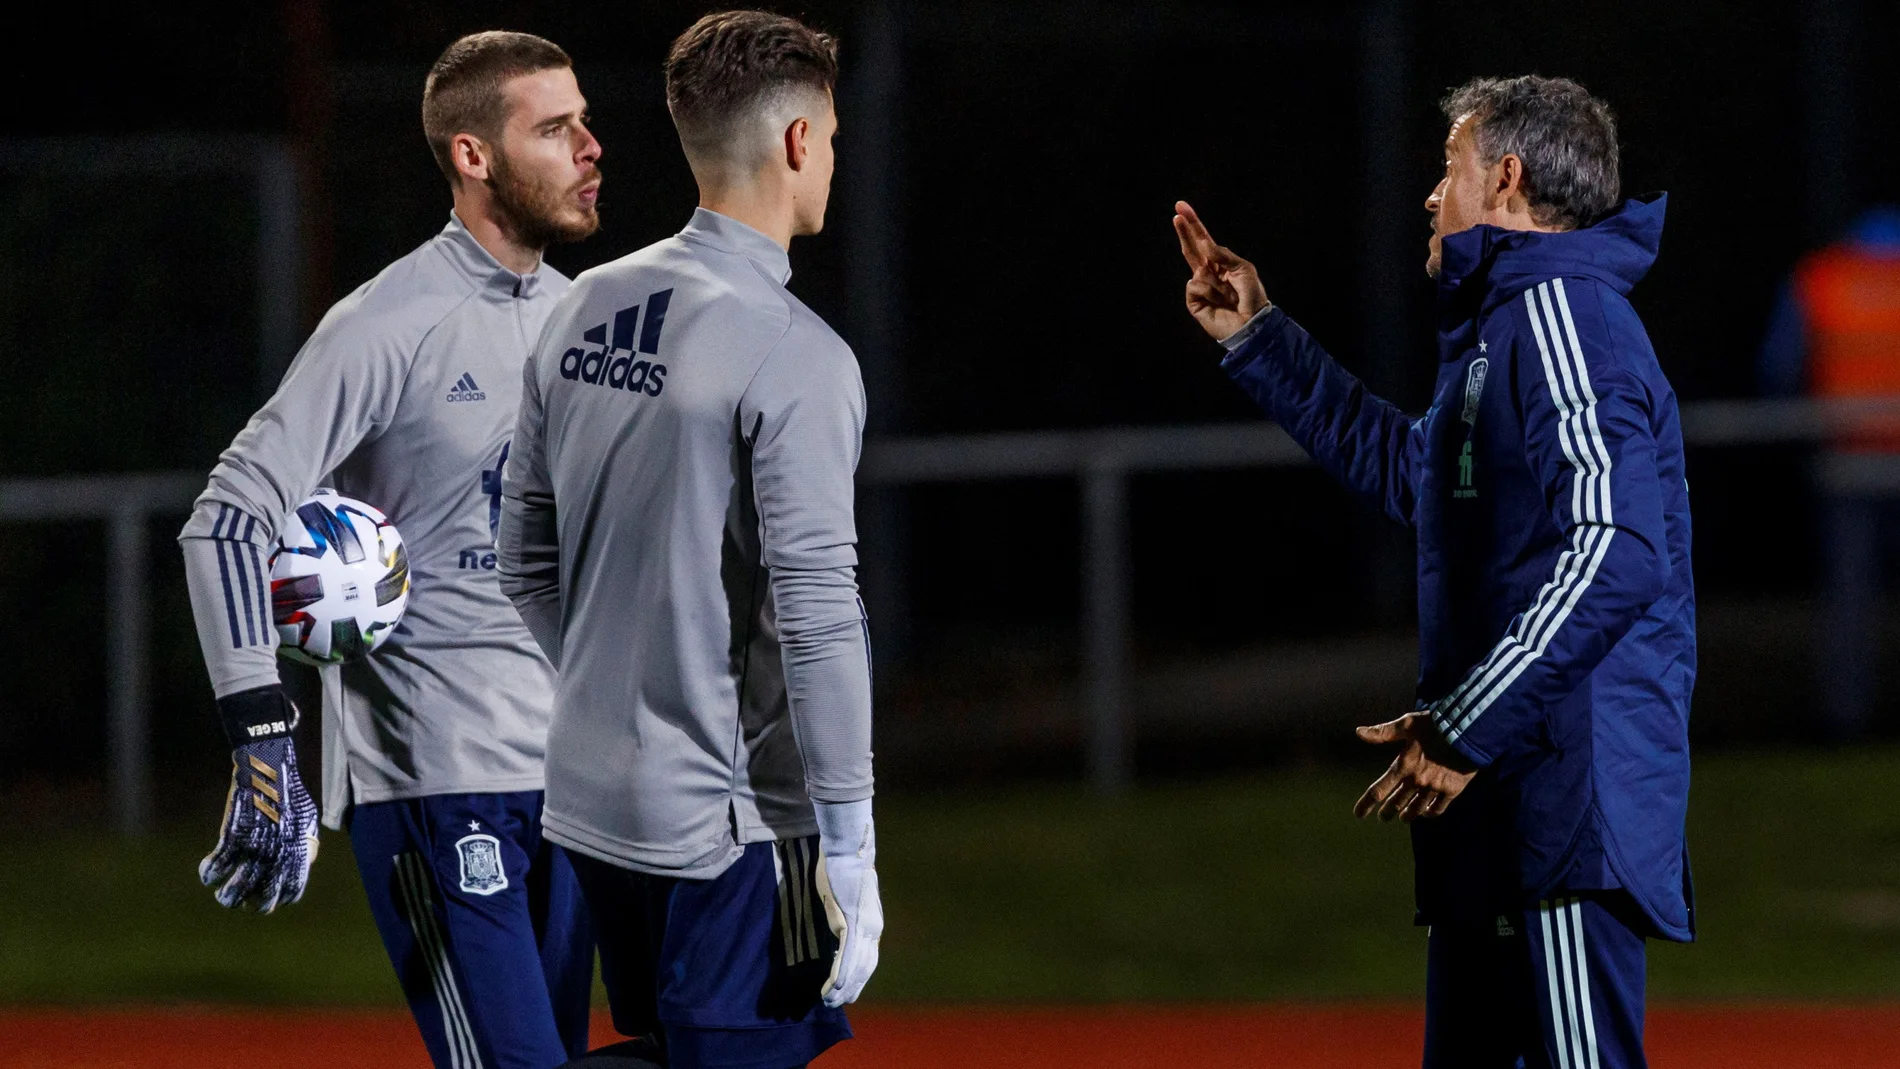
1508	180
797	150
470	156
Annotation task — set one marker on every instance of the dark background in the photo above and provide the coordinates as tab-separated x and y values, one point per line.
1033	156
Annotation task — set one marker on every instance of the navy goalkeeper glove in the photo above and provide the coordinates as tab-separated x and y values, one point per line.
268	837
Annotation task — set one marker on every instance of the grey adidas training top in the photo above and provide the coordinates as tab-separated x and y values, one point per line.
677	532
403	398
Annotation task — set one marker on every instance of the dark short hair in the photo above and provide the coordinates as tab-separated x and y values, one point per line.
1565	137
725	63
463	93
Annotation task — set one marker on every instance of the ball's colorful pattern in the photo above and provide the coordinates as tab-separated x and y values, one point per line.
339	580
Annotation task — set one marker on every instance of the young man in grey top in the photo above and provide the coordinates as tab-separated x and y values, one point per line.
405	398
677	532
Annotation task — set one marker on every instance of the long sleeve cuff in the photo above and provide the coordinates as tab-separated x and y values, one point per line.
845	829
825	648
1247	330
256	715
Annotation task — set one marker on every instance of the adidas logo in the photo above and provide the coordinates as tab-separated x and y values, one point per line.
617	364
466	390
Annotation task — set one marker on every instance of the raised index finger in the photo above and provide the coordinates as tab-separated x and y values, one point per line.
1193	233
1189	252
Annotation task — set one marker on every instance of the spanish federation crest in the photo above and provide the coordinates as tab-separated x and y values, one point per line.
482	873
1474	389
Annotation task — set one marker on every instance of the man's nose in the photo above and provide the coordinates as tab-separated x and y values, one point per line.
591	150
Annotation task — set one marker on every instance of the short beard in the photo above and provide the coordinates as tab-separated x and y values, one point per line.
533	211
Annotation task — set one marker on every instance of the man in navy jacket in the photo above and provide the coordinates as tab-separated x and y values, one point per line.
1549	747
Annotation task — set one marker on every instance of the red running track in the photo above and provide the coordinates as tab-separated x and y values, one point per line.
1277	1036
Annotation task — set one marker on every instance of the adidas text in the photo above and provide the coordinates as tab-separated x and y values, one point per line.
617	364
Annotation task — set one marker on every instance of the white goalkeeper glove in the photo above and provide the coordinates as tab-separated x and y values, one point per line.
268	836
847	884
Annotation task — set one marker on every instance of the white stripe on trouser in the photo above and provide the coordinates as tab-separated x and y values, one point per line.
801	897
1583	984
780	866
805	865
792	859
1550	980
1578	432
412	877
1573	1028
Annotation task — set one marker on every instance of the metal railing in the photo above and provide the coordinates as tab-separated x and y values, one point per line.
125	503
1100	460
267	163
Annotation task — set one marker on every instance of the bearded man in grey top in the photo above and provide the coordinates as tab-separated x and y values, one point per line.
677	532
432	747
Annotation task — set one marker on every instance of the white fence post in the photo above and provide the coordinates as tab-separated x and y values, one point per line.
1105	622
125	503
279	262
128	703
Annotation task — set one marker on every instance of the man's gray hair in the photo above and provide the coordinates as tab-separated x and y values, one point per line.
1565	137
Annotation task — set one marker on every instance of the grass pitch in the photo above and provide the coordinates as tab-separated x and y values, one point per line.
1264	888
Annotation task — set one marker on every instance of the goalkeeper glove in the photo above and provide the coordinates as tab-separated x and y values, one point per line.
847	883
268	837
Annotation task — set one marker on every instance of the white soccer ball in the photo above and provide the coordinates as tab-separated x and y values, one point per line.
339	580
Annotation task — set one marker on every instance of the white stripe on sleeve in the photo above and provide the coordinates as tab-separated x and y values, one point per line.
1604	514
1568	379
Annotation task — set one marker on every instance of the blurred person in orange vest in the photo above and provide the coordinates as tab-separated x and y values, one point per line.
1836	334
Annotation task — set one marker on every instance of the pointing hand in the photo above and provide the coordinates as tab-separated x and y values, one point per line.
1224	291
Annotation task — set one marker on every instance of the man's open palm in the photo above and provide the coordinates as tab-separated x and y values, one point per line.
1425	778
1224	291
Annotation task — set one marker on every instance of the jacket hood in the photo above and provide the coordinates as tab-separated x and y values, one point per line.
1485	266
